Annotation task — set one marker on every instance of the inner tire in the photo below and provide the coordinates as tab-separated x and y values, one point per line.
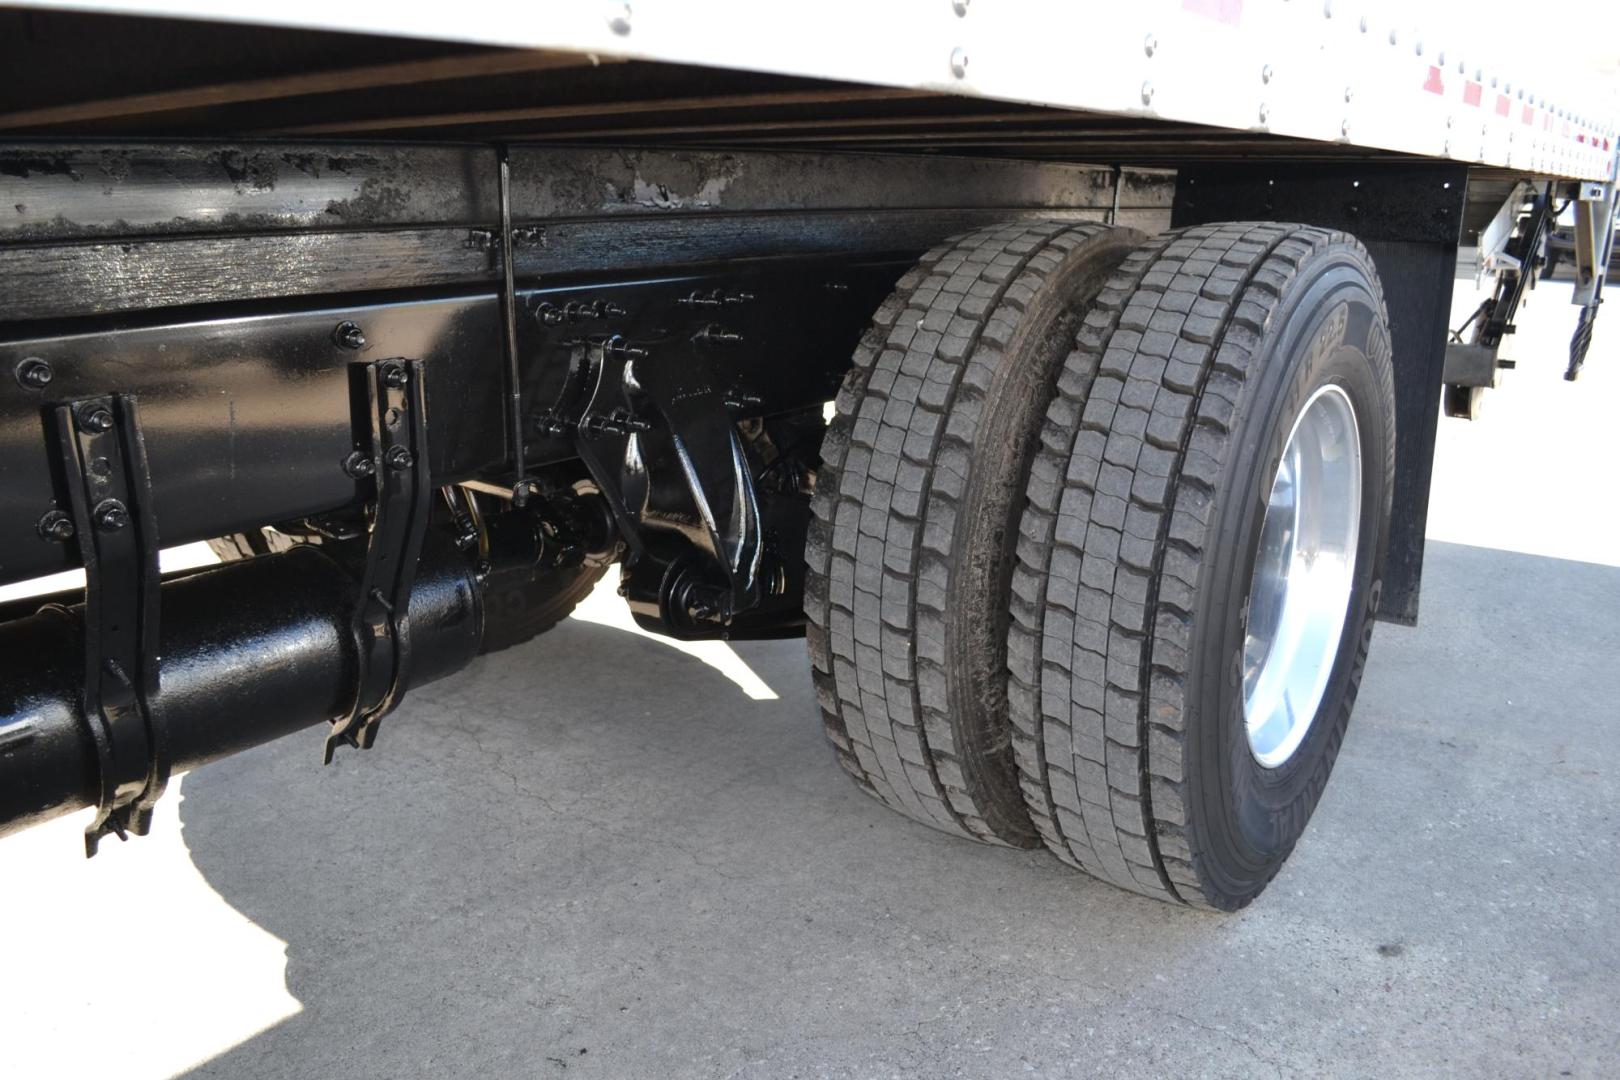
517	611
1139	546
909	553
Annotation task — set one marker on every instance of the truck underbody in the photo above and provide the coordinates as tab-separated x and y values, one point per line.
425	338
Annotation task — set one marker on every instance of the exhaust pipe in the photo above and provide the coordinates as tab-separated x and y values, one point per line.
251	651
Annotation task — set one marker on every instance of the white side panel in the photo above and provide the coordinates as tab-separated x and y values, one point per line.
1371	73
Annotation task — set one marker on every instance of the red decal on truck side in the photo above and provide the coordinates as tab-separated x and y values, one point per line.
1434	84
1472	91
1229	12
1502	105
1528	116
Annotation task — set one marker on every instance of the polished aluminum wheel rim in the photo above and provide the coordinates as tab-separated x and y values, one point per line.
1299	598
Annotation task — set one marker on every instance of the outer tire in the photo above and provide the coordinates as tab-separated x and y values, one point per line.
909	554
1139	542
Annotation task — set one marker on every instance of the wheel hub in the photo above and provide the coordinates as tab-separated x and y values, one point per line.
1299	597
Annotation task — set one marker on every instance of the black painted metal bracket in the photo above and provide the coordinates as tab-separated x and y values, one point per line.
109	494
678	394
659	436
394	429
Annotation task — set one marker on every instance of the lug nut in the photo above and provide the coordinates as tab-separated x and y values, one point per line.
395	377
34	374
359	465
111	515
399	459
56	525
96	419
349	335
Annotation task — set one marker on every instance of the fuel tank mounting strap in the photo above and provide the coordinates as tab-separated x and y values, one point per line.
109	497
394	430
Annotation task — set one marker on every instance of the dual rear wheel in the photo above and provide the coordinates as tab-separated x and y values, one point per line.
1097	540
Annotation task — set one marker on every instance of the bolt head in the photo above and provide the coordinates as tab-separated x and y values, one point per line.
1266	73
34	374
1147	93
359	465
56	525
959	62
349	336
1265	113
110	515
96	420
618	18
399	458
395	377
959	6
1150	45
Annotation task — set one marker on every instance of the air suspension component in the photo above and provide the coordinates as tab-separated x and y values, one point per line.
253	650
669	390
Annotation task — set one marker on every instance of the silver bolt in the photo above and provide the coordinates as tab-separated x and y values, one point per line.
959	6
959	62
618	18
1327	9
1418	48
1344	128
1394	37
1265	113
1349	94
1266	73
1150	44
1147	93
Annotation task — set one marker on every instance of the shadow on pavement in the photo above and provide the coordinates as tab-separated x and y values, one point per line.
593	855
